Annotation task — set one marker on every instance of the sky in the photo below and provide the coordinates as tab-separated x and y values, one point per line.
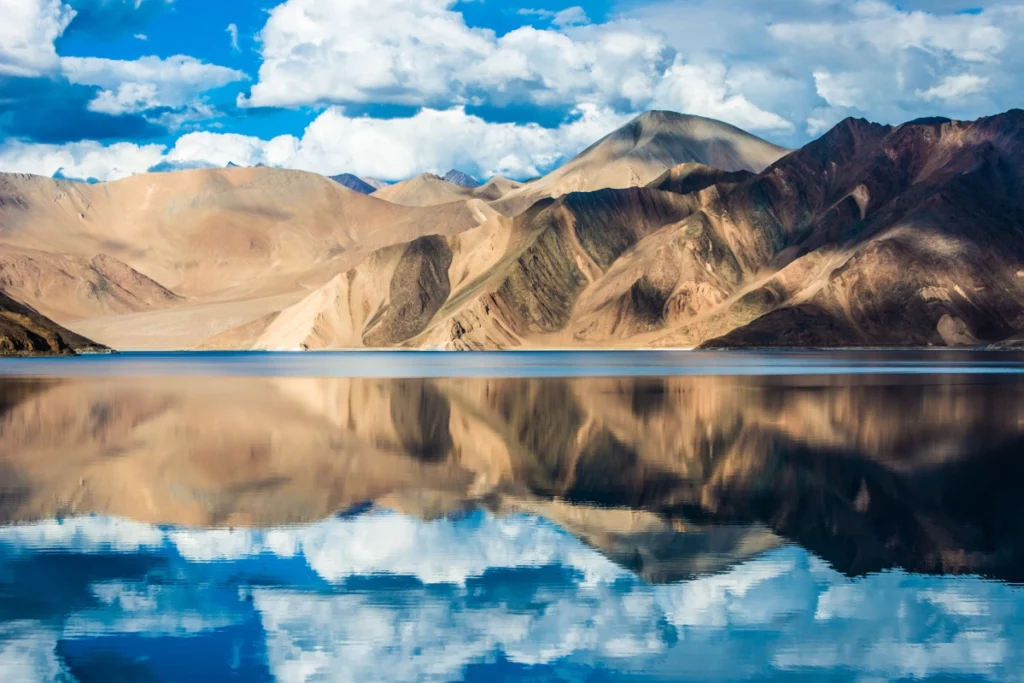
104	89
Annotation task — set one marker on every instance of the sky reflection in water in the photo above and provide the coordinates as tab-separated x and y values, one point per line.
383	596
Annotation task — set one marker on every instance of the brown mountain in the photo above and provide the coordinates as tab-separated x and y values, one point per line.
870	236
25	331
642	150
169	260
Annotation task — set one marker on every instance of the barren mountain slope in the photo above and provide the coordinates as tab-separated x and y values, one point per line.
89	254
904	236
872	235
642	150
511	282
424	190
429	190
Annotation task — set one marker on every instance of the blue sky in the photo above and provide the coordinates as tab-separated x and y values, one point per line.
389	88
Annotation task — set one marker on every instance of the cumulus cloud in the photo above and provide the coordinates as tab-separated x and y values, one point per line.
364	51
27	34
82	160
146	83
706	89
785	68
818	61
335	142
423	53
954	87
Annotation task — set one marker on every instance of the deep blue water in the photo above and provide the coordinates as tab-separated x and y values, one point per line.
394	364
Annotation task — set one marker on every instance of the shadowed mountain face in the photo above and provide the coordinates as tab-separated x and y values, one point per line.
25	331
462	179
355	183
866	472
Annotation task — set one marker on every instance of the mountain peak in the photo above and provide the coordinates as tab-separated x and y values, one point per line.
462	179
355	183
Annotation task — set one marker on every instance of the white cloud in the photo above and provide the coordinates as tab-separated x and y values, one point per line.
403	51
82	160
838	90
954	87
422	52
613	63
572	16
705	90
335	142
818	61
28	30
145	83
232	31
880	27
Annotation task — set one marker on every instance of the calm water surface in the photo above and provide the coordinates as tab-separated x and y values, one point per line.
538	516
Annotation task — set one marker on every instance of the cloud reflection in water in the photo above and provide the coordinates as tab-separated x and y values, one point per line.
383	596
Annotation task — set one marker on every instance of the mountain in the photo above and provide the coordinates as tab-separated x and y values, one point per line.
426	189
25	331
431	190
870	236
672	232
376	184
461	179
168	260
904	236
645	148
354	183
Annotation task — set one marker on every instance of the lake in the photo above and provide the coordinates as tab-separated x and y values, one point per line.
589	516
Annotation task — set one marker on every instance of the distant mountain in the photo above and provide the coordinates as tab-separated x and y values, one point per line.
642	150
428	189
375	183
461	179
353	182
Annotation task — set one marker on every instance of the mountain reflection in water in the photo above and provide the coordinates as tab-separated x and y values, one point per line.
623	528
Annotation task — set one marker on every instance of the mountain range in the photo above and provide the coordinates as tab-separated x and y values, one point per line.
673	231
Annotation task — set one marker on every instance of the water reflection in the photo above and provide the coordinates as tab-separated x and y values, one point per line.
384	596
620	528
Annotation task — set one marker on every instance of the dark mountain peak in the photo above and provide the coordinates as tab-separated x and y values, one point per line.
462	179
929	121
354	183
844	141
232	164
